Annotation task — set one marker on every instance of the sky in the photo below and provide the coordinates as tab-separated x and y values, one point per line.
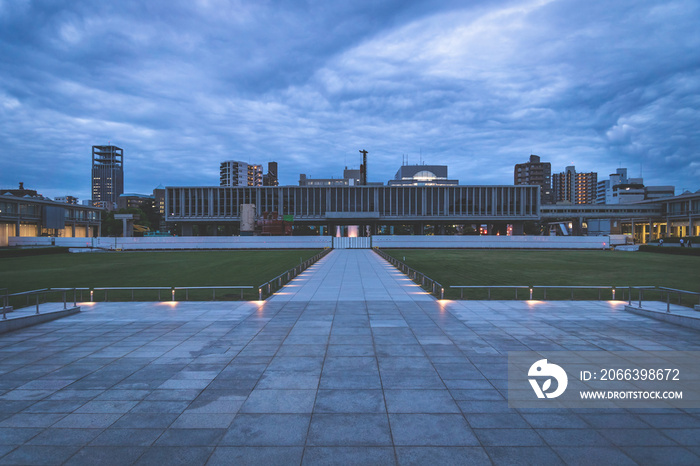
476	85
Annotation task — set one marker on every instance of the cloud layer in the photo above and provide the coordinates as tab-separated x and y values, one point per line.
182	86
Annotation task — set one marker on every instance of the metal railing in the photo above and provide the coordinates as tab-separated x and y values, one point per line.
170	291
616	292
680	294
270	286
425	282
37	301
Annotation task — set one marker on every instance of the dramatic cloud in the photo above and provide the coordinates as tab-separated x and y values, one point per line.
182	86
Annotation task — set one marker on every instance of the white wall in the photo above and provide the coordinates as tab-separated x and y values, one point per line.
499	242
320	242
183	242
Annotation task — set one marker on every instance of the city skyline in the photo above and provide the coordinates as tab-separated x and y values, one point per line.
182	87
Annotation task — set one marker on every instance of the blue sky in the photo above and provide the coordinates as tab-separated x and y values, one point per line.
478	86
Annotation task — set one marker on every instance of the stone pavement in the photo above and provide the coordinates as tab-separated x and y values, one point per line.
349	364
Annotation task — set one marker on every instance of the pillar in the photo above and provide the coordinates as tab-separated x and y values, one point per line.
518	228
186	229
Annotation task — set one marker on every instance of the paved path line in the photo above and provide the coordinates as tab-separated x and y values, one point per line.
351	275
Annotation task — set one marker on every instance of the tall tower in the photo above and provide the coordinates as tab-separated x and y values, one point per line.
107	175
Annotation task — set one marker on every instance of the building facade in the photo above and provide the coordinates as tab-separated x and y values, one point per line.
36	216
236	173
537	173
107	176
371	207
570	187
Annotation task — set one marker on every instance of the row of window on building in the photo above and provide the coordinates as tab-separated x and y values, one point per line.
572	187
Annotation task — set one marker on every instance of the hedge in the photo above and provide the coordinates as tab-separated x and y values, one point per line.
694	251
32	252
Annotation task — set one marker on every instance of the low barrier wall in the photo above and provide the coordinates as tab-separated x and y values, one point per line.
181	242
320	242
495	242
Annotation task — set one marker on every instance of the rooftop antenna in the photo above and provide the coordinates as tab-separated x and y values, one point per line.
363	168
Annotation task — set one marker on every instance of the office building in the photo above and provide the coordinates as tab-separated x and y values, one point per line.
107	176
236	173
535	173
422	175
570	187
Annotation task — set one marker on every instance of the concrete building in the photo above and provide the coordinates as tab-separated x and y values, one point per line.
107	175
620	189
66	199
537	173
26	215
271	178
604	189
372	208
129	200
236	173
422	175
570	187
351	177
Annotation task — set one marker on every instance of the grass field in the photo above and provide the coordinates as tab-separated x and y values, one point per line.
142	269
551	268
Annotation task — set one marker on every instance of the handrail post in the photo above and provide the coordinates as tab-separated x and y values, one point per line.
213	295
640	298
65	306
668	302
259	294
630	296
489	289
75	298
37	303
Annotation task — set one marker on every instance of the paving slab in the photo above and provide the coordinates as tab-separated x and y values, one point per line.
350	363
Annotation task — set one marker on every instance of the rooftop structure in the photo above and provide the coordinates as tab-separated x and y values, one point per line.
422	175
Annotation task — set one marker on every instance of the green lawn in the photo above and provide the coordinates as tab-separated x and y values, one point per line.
142	269
552	268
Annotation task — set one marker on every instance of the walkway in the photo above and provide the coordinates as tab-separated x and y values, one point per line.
349	364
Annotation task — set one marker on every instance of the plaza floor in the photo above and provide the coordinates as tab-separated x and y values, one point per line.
349	364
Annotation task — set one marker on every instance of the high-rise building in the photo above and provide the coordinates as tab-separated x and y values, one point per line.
535	173
574	188
235	173
271	178
107	175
